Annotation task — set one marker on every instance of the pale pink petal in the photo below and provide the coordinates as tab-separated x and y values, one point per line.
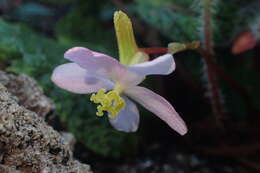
128	119
73	78
162	65
159	106
104	65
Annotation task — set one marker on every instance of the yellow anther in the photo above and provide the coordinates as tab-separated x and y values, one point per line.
110	102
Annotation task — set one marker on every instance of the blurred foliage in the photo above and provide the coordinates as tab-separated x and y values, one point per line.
25	11
89	24
170	17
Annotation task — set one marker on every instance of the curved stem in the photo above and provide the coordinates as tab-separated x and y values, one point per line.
208	49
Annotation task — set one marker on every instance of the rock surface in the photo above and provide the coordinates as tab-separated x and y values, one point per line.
27	143
28	93
70	139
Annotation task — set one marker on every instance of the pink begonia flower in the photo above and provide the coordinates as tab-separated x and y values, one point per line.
93	72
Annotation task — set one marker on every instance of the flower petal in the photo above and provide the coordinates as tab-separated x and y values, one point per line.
128	119
73	78
159	106
104	65
162	65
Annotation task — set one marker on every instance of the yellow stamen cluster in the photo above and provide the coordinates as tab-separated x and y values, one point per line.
110	102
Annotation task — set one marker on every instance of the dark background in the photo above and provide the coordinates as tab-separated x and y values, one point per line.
215	88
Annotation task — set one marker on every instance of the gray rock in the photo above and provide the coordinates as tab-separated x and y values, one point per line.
28	93
70	139
29	145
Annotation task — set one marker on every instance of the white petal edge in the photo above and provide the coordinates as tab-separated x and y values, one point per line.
159	106
128	119
103	65
75	79
163	65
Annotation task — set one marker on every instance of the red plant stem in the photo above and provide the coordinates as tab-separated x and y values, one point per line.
212	78
220	72
230	81
214	90
154	50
